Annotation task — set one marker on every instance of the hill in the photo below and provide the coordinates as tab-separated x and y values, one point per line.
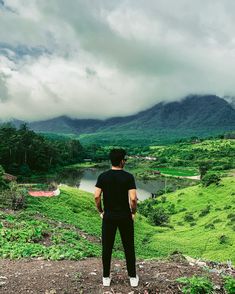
65	218
67	229
165	122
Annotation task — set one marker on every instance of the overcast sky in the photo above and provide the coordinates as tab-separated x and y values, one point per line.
103	58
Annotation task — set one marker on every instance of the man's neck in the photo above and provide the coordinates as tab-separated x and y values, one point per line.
117	168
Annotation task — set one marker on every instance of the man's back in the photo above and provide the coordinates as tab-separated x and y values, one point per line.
115	185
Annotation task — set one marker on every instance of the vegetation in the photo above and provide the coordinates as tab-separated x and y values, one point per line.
53	227
196	285
201	221
229	284
23	151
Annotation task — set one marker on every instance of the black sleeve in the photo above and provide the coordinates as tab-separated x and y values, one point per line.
131	183
99	183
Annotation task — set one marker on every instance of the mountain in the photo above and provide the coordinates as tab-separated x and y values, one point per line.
193	116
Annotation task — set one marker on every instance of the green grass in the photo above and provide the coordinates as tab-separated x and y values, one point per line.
197	240
22	233
62	219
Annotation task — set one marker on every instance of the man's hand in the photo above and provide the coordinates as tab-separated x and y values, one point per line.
133	216
97	195
101	215
133	200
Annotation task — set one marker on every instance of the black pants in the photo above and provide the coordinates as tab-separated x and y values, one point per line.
126	229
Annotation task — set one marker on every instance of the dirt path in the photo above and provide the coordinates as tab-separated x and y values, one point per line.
84	276
183	177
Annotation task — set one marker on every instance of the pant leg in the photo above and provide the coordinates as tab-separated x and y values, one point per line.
126	228
109	229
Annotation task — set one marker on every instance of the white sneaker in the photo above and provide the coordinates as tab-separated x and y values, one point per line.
134	281
106	281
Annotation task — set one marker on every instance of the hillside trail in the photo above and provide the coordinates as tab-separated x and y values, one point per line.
84	276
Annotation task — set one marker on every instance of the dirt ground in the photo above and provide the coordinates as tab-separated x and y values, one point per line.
84	276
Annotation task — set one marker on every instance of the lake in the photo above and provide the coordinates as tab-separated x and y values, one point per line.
86	179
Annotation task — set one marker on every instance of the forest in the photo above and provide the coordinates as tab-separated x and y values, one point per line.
23	151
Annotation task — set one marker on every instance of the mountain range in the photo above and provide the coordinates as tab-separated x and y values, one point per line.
194	115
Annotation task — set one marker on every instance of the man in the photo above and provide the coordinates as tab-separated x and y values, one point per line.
119	208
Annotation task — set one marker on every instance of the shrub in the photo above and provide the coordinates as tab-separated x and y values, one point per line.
229	284
205	211
158	216
210	226
209	179
223	239
13	198
189	217
196	285
163	199
171	208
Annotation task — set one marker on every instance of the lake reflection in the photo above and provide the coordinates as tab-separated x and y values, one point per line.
86	180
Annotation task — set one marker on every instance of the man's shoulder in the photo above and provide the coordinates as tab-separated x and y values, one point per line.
127	173
104	173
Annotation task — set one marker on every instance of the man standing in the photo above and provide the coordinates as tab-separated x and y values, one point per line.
119	208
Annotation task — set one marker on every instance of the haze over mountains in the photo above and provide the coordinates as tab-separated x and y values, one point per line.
193	116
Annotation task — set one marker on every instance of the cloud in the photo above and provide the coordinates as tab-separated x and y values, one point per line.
105	58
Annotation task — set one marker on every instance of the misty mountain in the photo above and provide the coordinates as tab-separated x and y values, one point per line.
193	116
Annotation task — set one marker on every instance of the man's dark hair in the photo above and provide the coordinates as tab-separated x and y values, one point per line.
116	156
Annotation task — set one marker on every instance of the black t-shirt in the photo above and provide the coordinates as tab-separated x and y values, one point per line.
115	185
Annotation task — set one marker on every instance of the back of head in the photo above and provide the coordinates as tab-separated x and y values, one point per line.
116	156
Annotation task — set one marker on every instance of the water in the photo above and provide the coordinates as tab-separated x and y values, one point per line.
86	180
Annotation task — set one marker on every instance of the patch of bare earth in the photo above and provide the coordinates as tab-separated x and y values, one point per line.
84	276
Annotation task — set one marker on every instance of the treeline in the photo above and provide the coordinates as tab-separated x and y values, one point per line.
22	150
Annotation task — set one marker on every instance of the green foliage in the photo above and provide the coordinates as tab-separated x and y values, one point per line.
229	284
22	150
205	211
14	197
209	179
188	217
196	285
223	239
157	215
74	211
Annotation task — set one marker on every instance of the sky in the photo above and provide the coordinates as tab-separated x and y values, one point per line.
104	58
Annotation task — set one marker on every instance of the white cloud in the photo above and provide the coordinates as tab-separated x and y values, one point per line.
105	58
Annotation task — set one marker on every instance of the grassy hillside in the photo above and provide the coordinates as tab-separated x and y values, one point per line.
202	223
54	227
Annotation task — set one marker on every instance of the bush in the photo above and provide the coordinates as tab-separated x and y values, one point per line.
223	239
189	217
210	226
13	198
205	211
196	285
229	284
158	216
3	183
209	179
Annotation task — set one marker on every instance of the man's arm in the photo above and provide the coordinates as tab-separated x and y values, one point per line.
133	200
98	193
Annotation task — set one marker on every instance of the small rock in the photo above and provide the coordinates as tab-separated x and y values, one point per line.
93	274
141	266
201	263
52	291
2	283
2	277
